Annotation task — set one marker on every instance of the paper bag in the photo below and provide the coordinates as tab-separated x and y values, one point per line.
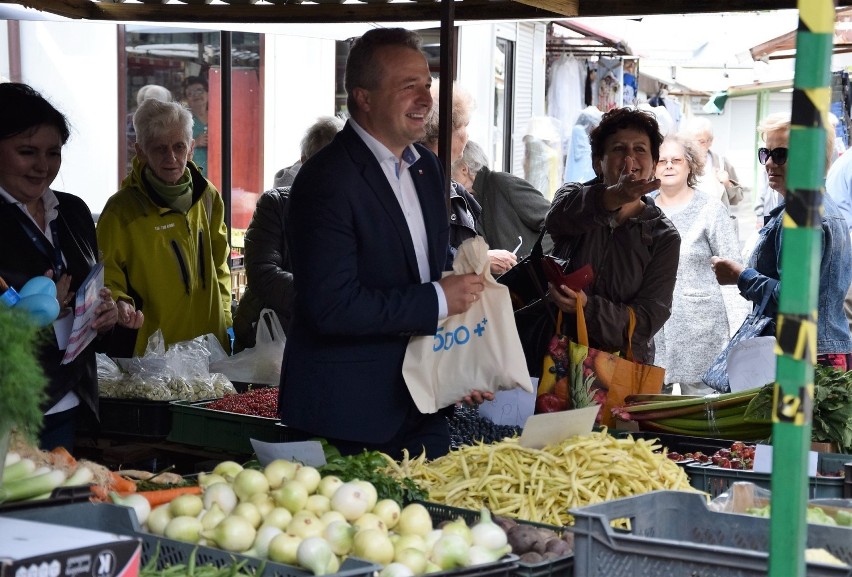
476	350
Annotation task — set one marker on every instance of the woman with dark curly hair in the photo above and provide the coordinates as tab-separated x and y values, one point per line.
613	225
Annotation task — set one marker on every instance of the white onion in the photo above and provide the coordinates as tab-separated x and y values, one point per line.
212	517
339	535
228	469
414	518
184	528
233	533
486	533
278	517
305	524
282	549
309	477
250	482
260	547
370	521
328	485
388	511
450	552
315	554
412	558
222	494
249	512
479	555
370	491
186	506
292	495
158	519
318	504
396	570
350	500
280	470
373	545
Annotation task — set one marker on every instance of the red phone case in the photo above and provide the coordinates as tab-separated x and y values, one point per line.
578	280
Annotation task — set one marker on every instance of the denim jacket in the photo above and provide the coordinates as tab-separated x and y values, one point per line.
835	275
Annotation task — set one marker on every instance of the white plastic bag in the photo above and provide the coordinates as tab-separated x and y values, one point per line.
261	364
476	350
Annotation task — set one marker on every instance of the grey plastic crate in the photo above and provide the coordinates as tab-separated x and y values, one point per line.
674	534
716	480
120	520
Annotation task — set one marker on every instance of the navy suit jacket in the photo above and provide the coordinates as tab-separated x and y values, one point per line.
359	296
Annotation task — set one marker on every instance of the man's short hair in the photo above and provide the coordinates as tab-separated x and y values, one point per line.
361	68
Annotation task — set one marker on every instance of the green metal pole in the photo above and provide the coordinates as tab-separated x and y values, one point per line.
801	252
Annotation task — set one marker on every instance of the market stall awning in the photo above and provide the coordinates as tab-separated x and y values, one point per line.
326	11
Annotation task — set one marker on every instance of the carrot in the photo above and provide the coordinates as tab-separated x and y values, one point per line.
121	484
63	459
161	496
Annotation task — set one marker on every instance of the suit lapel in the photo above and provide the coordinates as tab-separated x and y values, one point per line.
376	180
434	213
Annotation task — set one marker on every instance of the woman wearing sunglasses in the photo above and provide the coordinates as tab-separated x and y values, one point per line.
763	273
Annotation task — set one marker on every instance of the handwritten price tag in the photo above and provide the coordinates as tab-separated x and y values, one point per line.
510	408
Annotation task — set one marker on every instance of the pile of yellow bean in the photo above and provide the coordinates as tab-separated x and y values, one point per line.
542	484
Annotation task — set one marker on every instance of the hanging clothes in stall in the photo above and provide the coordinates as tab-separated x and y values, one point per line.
609	91
565	95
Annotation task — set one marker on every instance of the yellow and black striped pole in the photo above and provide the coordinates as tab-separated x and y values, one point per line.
801	253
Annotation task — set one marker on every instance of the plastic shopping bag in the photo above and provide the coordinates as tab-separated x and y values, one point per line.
476	350
261	364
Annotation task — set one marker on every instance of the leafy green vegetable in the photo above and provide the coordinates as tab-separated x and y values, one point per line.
832	411
833	407
22	380
369	466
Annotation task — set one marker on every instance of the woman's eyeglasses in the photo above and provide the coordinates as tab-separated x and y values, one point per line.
674	161
778	155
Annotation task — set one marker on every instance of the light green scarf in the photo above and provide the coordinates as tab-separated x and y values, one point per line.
179	195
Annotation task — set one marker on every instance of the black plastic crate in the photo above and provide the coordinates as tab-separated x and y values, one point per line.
131	418
562	567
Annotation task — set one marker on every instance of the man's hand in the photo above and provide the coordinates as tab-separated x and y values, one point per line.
478	397
727	271
461	290
501	261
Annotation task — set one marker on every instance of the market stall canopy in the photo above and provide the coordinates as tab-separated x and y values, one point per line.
376	10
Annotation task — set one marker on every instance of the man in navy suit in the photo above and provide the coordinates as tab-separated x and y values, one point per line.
369	235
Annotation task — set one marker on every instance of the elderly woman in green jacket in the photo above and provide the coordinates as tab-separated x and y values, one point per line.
163	235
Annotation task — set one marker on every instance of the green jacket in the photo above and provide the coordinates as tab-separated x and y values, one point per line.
174	267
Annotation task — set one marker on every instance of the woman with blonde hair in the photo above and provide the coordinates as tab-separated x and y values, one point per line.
762	276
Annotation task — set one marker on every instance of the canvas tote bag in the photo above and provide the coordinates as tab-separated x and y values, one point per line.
475	350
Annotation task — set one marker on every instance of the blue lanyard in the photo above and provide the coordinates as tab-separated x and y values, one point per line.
53	253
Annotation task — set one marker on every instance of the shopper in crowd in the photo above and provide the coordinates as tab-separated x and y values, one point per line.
838	185
465	211
513	210
196	91
147	91
762	275
45	232
614	226
163	235
368	233
267	260
578	161
317	136
719	179
698	328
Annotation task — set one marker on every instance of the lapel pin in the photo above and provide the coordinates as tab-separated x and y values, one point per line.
420	172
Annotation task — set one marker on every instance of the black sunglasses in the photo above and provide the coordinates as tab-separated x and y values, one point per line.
778	155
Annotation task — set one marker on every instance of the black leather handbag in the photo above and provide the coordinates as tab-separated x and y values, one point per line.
526	280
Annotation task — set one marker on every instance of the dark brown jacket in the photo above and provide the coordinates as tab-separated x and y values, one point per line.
635	265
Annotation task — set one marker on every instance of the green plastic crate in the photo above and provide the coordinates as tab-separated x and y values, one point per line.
562	567
121	520
194	424
717	480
